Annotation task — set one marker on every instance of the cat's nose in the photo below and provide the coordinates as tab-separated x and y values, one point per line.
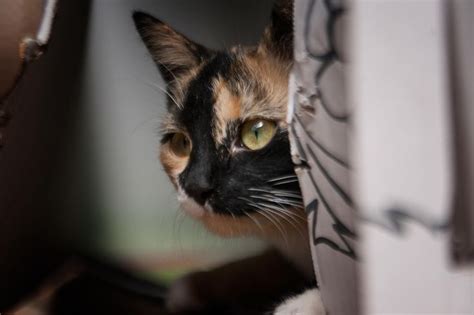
199	191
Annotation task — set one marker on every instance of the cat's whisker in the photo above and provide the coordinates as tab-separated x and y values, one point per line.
278	204
289	181
175	79
296	217
281	178
264	212
274	199
167	93
271	190
177	225
287	202
298	222
285	195
268	198
280	193
255	221
272	219
285	216
293	214
233	218
233	215
177	220
266	189
248	201
279	197
273	205
298	225
289	199
259	190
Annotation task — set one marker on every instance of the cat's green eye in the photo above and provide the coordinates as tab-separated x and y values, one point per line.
257	133
180	144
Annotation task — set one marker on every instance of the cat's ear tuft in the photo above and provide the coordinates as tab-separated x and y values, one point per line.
278	36
174	53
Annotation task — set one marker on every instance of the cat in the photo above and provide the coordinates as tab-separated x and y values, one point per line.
226	150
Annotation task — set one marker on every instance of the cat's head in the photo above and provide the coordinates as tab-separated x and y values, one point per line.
225	141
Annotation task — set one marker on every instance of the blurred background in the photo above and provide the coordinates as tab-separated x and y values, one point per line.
79	143
122	204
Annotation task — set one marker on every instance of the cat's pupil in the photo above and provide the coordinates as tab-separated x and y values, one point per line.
256	128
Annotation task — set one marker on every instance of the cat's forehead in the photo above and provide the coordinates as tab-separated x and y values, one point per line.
233	86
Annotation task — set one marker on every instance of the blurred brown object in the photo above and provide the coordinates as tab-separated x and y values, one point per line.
41	302
461	43
37	88
19	20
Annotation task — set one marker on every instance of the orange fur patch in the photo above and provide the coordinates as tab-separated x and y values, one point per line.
226	108
272	76
255	224
172	163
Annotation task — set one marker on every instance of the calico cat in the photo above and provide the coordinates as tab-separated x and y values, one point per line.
226	150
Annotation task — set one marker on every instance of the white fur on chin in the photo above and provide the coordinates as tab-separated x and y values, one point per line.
307	303
189	205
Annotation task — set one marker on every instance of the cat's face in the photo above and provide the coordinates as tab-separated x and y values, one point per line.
225	141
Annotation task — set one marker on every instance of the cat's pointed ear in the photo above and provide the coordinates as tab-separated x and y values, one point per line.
174	53
278	36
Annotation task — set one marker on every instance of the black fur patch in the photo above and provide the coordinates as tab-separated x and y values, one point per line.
198	179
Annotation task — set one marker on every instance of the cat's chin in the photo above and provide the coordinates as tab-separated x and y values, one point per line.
227	226
219	224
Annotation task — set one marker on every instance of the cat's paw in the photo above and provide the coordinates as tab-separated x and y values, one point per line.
307	303
186	294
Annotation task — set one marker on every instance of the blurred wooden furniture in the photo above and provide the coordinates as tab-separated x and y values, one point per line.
38	82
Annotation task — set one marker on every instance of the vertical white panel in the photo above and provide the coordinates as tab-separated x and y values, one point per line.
402	149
